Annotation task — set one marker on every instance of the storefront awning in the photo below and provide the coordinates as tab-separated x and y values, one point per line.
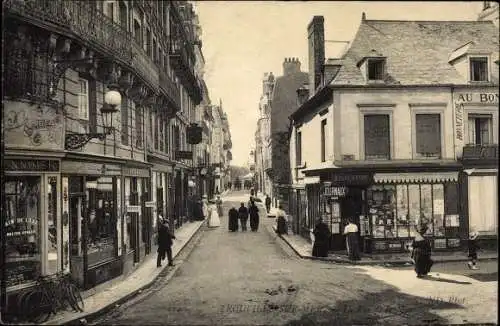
433	177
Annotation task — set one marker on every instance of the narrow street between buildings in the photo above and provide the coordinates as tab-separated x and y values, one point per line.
254	278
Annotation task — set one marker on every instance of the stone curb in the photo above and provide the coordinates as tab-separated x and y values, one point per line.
374	262
129	296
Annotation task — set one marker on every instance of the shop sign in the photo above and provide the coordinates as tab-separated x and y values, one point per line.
183	155
134	172
331	191
31	165
39	127
350	179
133	209
150	204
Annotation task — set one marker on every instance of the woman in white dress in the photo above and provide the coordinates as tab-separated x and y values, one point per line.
213	216
204	202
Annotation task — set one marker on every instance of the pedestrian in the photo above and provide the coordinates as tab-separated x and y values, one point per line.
253	210
281	222
351	233
321	239
243	215
233	219
213	215
421	253
218	202
473	248
268	203
164	243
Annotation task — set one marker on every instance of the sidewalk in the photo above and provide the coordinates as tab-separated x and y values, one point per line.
124	288
304	249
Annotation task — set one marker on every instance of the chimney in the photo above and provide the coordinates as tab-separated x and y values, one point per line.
291	66
316	42
302	94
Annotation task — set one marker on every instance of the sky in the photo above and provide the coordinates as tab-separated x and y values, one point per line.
244	39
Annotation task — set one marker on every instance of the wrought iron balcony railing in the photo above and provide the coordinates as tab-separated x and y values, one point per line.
169	87
480	152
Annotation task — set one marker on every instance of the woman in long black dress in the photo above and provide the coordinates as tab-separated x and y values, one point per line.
421	253
233	219
253	211
321	239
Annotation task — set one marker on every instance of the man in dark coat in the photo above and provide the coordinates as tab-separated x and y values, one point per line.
253	210
268	203
321	239
233	219
243	215
164	243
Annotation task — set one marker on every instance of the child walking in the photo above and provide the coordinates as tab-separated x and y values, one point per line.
473	247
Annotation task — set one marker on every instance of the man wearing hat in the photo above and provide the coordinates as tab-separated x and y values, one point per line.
473	247
164	242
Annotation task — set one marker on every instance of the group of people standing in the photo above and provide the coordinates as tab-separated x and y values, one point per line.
243	214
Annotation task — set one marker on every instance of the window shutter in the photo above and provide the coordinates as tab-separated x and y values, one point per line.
92	105
377	136
428	134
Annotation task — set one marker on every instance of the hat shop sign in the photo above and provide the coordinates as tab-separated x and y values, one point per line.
463	99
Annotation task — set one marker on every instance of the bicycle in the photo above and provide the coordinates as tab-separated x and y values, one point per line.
50	295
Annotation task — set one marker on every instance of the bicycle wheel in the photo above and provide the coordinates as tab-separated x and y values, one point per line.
75	297
37	306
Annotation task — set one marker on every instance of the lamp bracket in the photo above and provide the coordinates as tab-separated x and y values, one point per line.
78	140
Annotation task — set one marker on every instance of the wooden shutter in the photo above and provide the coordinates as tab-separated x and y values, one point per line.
428	134
377	136
92	105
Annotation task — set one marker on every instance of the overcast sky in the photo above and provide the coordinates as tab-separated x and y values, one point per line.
244	39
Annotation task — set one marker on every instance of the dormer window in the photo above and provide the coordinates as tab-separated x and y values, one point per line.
478	69
376	69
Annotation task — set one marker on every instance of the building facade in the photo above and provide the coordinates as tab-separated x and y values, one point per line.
491	11
82	195
400	144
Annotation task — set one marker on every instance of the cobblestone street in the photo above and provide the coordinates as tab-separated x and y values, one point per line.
254	278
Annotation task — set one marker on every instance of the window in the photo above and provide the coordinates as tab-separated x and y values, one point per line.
377	136
323	140
479	127
123	15
428	135
137	32
298	148
138	125
161	136
157	130
110	10
124	120
376	69
83	99
483	217
22	229
479	69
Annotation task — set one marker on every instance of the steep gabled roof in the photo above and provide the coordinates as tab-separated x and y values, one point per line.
284	99
417	52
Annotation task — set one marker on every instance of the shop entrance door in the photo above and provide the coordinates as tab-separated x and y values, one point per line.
134	235
351	206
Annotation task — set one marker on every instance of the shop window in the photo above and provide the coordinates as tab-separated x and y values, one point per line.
426	207
52	209
382	210
479	69
438	209
22	229
402	219
414	207
480	130
428	135
377	136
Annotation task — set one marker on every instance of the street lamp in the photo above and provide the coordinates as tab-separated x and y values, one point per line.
112	99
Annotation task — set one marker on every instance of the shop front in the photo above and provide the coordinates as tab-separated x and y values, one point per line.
138	224
388	206
480	192
160	199
91	233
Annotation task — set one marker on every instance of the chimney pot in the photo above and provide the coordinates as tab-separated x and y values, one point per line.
363	16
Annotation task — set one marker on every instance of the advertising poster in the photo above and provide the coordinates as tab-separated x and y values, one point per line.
65	224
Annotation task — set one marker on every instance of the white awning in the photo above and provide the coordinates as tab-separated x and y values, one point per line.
311	180
432	177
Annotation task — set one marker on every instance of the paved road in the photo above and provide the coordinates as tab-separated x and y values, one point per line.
254	278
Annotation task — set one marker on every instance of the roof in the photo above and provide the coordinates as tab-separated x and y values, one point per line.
284	99
417	52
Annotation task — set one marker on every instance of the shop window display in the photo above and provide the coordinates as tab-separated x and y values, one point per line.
22	223
402	219
414	207
426	207
438	209
382	210
52	225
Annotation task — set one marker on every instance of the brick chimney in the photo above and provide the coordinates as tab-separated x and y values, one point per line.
291	66
302	94
316	42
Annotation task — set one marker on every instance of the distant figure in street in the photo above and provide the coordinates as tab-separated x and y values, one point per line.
351	233
473	248
321	239
281	222
243	216
268	203
421	253
253	210
164	242
213	215
218	202
233	219
204	203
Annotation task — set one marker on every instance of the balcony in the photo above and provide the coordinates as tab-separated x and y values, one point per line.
170	89
183	64
486	154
